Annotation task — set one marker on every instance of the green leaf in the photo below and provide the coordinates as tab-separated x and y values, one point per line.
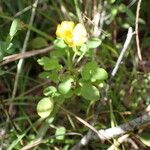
45	75
99	74
65	86
88	69
57	53
45	107
38	42
3	47
145	138
112	1
114	11
50	91
60	99
131	16
69	94
10	48
59	43
60	133
89	92
92	72
49	64
53	75
84	48
77	91
122	8
15	26
93	43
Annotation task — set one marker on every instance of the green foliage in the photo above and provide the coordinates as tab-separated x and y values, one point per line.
38	42
100	74
94	43
90	92
45	107
50	91
83	82
92	72
65	86
88	70
60	131
15	26
73	78
6	47
49	64
59	43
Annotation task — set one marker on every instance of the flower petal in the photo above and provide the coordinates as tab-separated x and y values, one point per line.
79	35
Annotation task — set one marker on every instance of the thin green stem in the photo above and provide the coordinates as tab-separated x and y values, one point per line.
74	56
69	62
75	53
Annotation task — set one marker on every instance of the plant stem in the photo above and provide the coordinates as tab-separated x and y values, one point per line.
69	62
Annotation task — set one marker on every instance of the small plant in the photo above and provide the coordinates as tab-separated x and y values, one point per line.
70	77
6	47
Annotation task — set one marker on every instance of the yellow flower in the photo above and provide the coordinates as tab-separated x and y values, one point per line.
71	34
79	35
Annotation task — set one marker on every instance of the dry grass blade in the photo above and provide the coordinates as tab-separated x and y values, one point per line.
137	30
23	55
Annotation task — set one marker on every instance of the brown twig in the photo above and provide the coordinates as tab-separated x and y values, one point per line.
23	55
116	131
